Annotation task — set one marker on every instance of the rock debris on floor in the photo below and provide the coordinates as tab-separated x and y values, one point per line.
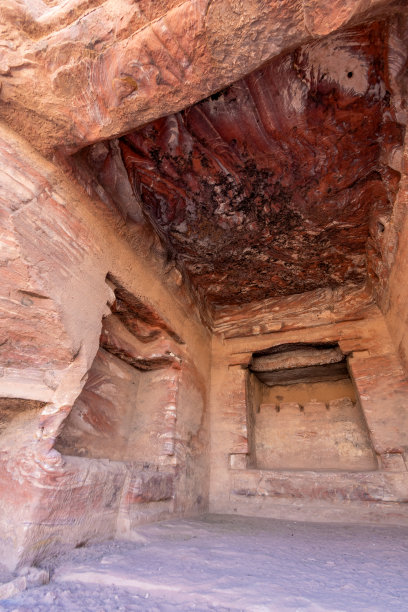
231	563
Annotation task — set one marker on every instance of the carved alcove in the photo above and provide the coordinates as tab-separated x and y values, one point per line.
125	416
127	408
303	411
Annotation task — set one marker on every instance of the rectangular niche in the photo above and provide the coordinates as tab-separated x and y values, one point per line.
126	410
303	413
115	416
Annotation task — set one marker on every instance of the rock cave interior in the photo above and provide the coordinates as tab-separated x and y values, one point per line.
203	265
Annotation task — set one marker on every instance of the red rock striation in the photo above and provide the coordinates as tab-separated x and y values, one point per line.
269	187
76	72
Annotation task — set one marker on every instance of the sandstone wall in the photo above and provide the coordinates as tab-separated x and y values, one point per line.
394	298
373	490
57	247
387	255
72	76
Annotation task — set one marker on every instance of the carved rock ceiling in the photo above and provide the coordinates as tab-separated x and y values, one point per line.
272	186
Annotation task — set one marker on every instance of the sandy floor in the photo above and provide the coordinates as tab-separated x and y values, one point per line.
232	563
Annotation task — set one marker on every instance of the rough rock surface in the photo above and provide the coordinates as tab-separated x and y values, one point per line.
56	255
27	577
76	72
273	185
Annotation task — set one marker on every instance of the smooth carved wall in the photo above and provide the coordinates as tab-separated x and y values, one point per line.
307	427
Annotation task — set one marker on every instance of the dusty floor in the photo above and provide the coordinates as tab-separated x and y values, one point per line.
232	563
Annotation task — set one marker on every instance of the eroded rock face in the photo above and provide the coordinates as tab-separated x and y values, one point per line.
56	287
78	72
271	186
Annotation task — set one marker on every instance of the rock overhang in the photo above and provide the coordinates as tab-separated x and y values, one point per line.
275	185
